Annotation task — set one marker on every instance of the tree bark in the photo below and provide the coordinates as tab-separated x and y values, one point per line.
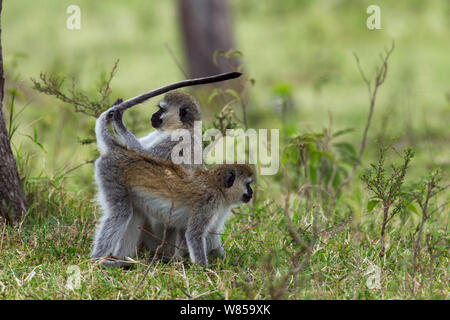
13	203
205	27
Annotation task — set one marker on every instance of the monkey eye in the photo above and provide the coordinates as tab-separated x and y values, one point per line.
230	176
183	112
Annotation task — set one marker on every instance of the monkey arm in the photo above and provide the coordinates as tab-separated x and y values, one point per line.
123	135
200	222
196	245
163	149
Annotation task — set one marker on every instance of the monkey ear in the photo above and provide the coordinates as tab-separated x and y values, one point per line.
230	176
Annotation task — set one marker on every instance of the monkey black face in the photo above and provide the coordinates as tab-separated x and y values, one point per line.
248	193
156	118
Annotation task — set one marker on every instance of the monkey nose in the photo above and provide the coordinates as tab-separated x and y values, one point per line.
156	121
246	197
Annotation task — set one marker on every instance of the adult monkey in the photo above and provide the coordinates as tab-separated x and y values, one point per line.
178	110
193	204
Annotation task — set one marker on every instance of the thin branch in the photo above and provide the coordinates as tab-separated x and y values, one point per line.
174	58
440	207
107	90
150	234
379	79
336	229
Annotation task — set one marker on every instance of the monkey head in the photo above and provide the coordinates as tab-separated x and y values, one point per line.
235	180
178	110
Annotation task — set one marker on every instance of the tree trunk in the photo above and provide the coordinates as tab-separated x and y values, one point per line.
205	27
12	199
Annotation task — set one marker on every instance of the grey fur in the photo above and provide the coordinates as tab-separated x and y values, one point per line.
114	234
162	148
117	203
159	144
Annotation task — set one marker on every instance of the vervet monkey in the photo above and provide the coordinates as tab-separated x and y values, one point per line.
191	202
178	110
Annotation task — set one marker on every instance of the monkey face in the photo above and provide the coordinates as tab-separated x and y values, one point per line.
236	183
157	118
177	110
248	193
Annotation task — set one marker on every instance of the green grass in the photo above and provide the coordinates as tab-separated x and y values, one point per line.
57	233
306	46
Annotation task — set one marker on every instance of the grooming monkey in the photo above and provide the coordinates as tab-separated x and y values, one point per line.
178	110
173	114
191	202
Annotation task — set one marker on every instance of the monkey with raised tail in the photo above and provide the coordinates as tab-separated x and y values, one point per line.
193	202
177	110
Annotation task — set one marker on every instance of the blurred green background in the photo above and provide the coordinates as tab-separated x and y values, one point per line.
305	47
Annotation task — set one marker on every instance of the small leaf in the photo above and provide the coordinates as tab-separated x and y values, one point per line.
412	208
371	204
236	53
342	132
86	141
214	94
233	93
216	54
282	89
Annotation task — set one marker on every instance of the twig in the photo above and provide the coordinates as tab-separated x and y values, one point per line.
244	230
431	191
159	239
425	216
176	60
51	85
430	245
379	79
336	229
107	90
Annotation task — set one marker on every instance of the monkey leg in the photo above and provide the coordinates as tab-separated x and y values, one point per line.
196	242
126	245
111	228
181	245
214	245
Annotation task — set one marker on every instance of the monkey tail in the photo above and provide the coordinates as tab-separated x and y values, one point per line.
104	139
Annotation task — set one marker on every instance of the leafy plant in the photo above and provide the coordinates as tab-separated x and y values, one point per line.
53	85
239	95
226	119
317	159
424	194
387	188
